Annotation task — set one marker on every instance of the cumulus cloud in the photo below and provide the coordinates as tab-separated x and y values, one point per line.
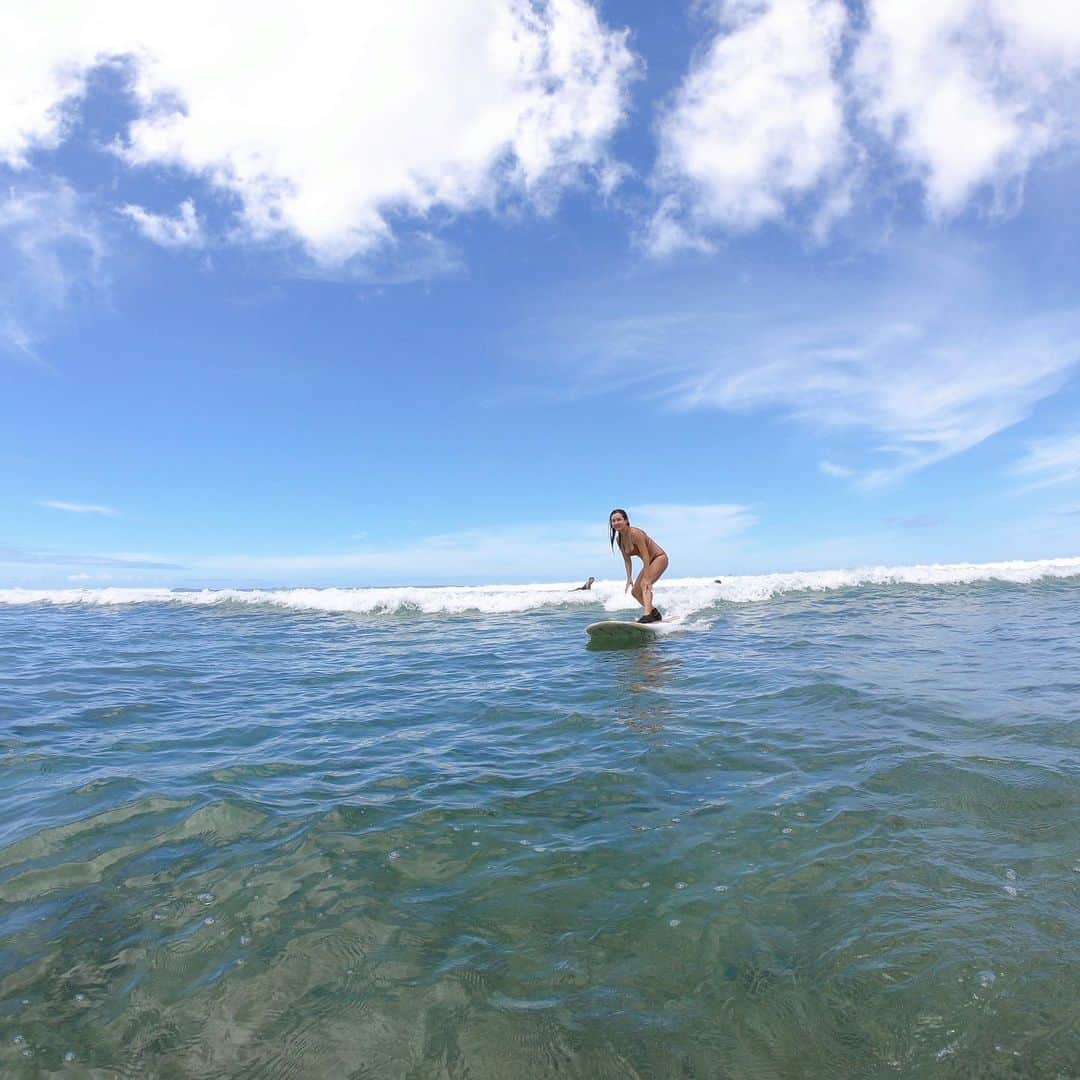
334	123
43	72
183	230
792	103
757	123
969	92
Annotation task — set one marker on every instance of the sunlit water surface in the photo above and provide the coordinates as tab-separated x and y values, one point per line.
829	834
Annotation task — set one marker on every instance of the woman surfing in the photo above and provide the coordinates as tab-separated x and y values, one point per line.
634	541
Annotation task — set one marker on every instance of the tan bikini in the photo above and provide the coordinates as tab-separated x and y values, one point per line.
652	549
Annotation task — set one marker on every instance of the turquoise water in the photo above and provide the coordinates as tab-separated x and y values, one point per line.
826	833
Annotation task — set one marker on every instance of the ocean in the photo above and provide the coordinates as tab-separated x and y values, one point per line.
826	825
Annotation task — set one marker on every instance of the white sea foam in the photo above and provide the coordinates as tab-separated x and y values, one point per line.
680	598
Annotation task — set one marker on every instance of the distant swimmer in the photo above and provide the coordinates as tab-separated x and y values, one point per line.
586	587
634	541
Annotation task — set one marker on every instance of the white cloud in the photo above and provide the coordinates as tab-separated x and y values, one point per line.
42	72
466	555
697	537
15	557
15	336
899	364
695	534
1051	461
969	92
51	249
963	95
183	230
77	508
691	524
830	468
347	126
925	394
333	123
757	123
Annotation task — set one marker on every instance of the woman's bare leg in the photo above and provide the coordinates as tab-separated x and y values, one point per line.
647	579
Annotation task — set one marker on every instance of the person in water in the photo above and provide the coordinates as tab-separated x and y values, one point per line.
634	541
586	587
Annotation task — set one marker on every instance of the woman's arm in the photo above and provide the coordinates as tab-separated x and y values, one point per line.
629	568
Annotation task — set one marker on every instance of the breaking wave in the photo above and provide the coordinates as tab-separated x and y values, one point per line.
680	597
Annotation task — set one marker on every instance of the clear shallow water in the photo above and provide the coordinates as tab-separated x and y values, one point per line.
827	833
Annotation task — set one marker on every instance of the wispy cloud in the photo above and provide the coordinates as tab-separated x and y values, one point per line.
15	337
700	537
12	556
830	468
692	525
184	230
911	359
77	508
1051	461
922	392
918	521
51	252
927	395
700	534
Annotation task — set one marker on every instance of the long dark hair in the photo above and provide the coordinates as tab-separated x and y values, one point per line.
617	510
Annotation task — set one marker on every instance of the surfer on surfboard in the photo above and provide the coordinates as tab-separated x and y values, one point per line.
634	541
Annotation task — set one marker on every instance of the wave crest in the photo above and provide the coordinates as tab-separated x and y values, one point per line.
681	597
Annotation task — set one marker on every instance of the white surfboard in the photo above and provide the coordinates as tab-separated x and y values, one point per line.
617	632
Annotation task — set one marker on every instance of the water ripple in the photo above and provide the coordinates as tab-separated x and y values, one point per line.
833	834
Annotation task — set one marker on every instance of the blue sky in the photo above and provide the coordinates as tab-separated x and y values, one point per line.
345	296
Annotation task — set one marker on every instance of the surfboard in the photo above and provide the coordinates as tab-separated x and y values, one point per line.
616	632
